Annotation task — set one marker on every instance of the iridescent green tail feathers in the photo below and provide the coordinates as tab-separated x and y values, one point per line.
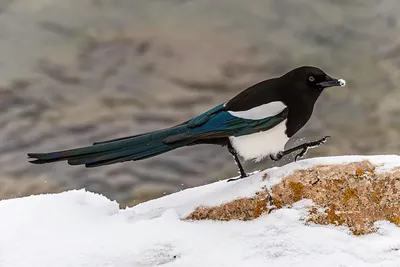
214	126
134	148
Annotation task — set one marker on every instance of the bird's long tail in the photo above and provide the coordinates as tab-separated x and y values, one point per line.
118	150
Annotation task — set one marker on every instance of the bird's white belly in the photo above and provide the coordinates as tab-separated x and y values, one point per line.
259	145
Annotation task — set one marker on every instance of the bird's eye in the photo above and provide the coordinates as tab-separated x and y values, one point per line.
311	78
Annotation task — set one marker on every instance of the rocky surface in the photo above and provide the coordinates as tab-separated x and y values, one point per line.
74	72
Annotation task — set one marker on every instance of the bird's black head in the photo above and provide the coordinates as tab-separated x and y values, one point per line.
308	82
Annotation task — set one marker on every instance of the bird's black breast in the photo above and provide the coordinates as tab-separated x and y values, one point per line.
298	116
299	109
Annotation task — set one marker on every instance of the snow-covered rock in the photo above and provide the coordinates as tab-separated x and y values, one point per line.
79	228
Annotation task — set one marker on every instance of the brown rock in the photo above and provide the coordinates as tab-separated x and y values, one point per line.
352	194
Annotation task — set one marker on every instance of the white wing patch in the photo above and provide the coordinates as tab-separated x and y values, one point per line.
260	112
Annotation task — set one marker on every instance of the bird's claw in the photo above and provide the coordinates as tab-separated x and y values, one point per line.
319	142
301	154
323	140
235	179
311	145
276	156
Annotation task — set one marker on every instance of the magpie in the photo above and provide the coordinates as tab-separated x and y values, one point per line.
256	123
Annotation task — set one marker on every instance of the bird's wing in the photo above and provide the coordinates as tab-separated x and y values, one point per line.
220	123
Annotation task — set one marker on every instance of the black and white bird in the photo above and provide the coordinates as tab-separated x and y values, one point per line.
256	123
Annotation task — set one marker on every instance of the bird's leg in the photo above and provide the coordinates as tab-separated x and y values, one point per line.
239	165
303	147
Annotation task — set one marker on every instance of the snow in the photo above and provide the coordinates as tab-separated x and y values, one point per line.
80	228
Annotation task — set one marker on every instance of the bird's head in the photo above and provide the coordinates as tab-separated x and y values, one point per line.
308	82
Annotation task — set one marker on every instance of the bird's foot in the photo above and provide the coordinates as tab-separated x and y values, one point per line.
276	156
302	153
241	177
307	146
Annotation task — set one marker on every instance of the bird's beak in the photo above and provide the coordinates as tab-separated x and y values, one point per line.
332	82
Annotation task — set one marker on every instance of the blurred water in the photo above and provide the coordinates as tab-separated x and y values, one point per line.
78	71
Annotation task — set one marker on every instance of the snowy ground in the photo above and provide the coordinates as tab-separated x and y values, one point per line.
79	228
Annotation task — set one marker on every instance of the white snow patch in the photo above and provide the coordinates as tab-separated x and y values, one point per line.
79	228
